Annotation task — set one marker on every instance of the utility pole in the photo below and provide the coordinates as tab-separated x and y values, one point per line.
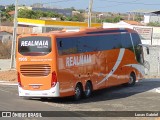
13	50
90	12
0	18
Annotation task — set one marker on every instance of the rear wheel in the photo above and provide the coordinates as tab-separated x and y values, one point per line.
132	80
88	89
78	92
27	98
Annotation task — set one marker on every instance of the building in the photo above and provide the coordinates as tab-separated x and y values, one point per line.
149	15
66	12
40	26
147	34
153	16
11	13
2	7
37	5
20	30
25	7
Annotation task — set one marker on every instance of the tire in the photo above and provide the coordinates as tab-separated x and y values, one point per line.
132	80
88	90
44	98
27	98
78	92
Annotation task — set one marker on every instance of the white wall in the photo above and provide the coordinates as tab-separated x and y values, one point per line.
146	18
155	36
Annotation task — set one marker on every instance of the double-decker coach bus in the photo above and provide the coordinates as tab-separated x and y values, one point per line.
64	63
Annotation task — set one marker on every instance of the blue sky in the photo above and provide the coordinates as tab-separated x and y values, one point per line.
98	5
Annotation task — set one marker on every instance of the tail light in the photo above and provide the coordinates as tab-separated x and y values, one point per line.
19	79
54	79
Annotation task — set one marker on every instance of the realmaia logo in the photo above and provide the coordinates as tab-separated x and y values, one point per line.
78	60
38	43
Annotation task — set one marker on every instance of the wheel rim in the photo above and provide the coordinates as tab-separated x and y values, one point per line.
77	92
88	90
131	79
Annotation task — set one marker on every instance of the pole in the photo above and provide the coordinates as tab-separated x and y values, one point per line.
13	50
0	18
90	13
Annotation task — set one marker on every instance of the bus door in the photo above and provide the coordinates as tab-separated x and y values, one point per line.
114	69
101	68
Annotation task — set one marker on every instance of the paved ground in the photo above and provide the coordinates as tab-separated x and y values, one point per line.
141	97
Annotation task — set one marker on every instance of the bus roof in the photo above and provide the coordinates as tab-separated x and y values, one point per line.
82	31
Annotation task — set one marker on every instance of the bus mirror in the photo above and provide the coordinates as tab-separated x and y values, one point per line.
147	50
146	46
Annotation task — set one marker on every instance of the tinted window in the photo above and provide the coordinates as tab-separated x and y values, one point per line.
99	43
93	43
88	44
138	49
136	39
126	41
67	45
34	46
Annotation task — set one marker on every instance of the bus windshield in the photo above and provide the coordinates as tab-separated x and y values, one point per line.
34	45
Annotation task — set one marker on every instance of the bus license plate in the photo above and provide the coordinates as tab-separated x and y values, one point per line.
35	87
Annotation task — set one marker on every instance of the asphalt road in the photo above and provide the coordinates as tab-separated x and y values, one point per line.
142	97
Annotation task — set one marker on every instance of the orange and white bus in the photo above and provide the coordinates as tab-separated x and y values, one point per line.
75	63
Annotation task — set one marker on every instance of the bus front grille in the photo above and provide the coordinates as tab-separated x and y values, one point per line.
35	70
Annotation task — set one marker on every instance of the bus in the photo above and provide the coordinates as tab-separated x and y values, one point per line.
75	63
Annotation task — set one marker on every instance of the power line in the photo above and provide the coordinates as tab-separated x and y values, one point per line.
122	3
133	2
50	2
119	4
58	1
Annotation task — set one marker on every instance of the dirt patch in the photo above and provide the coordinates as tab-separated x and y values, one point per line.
10	75
5	49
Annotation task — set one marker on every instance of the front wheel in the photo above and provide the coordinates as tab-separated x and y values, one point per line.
27	98
132	80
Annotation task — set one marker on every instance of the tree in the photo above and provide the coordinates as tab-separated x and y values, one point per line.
156	24
5	13
25	13
117	19
68	19
112	20
10	8
138	18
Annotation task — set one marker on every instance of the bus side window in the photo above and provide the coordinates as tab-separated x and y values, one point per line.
126	41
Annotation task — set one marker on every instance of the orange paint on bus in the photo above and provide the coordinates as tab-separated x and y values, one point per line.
59	72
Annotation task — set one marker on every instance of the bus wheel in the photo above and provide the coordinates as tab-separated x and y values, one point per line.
88	89
27	98
132	80
44	98
78	92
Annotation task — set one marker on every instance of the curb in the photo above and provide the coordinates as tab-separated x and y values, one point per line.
8	83
158	90
4	81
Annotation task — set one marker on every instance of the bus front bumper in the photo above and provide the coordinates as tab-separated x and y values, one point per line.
53	92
